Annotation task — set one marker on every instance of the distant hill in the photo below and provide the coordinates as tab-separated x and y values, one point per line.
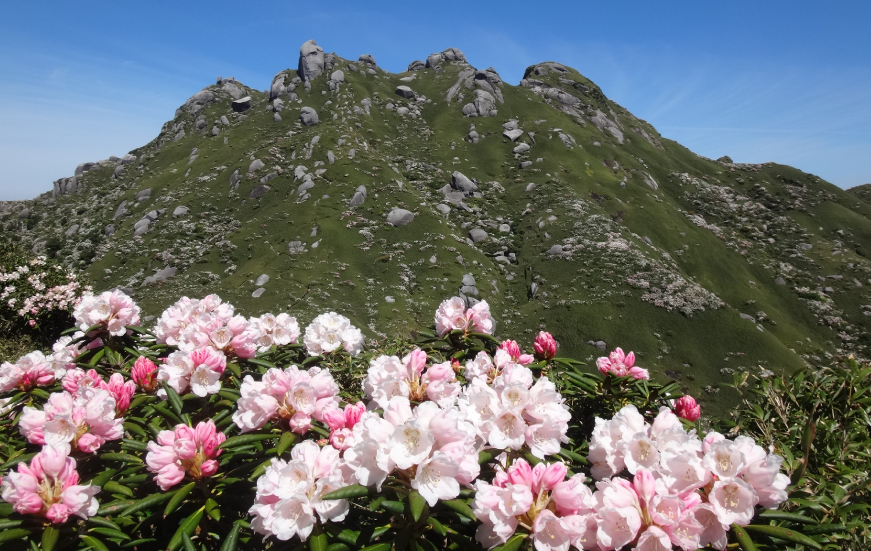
345	187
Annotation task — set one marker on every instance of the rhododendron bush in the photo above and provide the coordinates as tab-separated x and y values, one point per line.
213	431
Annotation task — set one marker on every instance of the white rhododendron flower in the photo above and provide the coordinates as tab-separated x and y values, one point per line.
330	332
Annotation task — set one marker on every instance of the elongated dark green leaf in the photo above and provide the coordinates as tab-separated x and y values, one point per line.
226	393
286	441
14	534
318	540
111	533
16	460
95	544
232	539
141	399
187	543
177	498
823	529
49	537
97	521
348	492
487	455
245	439
338	547
744	540
125	457
115	488
114	507
437	526
187	527
103	477
98	355
783	515
262	363
416	503
784	534
8	524
378	547
173	398
213	509
461	508
574	457
395	507
147	502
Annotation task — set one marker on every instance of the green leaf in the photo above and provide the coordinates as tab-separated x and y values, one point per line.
318	539
177	498
244	440
437	526
461	508
395	507
262	363
125	457
103	522
286	441
134	445
790	517
188	544
49	537
103	477
574	457
378	547
111	533
186	527
513	544
147	502
95	543
784	534
213	509
232	539
338	547
7	524
115	488
14	534
417	504
348	492
824	529
173	398
114	507
487	455
743	538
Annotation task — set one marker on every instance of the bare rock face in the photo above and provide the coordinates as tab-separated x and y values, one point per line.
308	116
311	61
451	54
367	58
399	217
416	65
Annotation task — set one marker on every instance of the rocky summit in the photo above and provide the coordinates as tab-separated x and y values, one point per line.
378	195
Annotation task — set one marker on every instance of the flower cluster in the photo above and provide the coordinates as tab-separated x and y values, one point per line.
49	487
292	394
452	315
273	330
78	381
687	408
84	420
111	309
433	449
35	290
341	422
144	374
31	370
184	450
516	409
556	511
289	492
620	365
545	345
331	331
685	491
199	371
192	324
388	376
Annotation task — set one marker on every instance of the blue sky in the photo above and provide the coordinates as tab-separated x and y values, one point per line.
759	81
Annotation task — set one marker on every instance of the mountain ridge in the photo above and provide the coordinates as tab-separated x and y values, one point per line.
378	195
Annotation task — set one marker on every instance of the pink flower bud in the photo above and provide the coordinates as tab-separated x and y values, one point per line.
553	475
512	348
687	408
334	418
545	346
520	473
415	361
639	373
144	374
353	412
645	485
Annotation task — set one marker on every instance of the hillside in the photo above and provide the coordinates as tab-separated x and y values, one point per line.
378	195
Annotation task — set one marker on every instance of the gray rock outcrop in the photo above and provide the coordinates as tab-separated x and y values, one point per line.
311	61
242	104
405	92
399	217
308	116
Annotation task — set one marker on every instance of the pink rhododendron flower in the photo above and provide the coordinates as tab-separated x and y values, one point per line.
85	420
144	374
389	376
288	501
687	408
620	365
453	315
292	394
517	355
112	309
545	345
49	487
273	330
184	451
341	423
329	332
31	370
